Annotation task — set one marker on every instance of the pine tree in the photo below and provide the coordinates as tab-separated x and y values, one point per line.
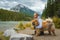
57	8
52	9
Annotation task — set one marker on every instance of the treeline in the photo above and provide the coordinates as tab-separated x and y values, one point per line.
6	15
52	9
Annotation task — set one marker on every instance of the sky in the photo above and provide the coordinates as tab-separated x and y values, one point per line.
36	5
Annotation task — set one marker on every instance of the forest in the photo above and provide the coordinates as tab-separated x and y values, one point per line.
6	15
52	8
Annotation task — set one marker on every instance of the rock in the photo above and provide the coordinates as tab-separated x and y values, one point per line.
9	32
21	37
17	36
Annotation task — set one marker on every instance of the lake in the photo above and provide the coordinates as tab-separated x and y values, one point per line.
4	25
7	25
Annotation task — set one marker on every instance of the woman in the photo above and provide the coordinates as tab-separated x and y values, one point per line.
37	22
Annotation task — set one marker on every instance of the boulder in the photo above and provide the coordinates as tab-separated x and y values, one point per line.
9	32
17	36
21	37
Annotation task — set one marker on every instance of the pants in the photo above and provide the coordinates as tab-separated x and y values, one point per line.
39	31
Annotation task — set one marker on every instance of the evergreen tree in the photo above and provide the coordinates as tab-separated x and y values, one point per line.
52	9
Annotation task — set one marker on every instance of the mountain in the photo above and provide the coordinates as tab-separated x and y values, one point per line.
22	9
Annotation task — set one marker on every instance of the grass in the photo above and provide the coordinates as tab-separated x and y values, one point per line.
56	20
22	26
3	37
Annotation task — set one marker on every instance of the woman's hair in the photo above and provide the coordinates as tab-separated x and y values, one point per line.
36	13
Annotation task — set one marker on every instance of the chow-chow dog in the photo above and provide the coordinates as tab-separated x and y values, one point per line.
46	24
35	23
49	25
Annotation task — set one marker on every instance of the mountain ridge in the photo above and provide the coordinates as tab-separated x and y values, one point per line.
23	9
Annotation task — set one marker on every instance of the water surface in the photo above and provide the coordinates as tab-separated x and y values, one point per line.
4	25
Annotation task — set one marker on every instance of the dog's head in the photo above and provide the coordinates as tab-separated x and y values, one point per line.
49	20
35	22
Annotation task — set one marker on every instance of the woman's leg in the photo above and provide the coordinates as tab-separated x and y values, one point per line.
42	31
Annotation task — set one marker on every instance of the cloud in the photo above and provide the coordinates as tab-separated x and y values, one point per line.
36	5
7	4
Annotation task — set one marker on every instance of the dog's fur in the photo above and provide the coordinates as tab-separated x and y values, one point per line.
49	26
